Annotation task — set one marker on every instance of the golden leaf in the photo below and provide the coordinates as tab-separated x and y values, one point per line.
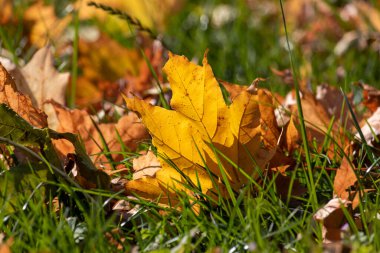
201	126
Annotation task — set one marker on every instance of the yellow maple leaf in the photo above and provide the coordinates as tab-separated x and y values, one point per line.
201	127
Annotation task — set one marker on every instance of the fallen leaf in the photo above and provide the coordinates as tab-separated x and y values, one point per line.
345	178
20	103
129	128
315	115
40	80
145	165
201	124
317	120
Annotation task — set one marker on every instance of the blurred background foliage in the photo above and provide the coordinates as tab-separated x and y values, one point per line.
332	41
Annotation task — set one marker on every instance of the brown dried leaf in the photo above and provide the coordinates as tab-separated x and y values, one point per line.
292	136
345	178
331	99
20	103
79	122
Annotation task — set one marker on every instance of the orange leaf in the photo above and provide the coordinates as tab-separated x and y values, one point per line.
20	103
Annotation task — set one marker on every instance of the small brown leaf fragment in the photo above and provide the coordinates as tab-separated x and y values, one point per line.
88	179
145	165
345	178
20	103
292	136
371	96
233	89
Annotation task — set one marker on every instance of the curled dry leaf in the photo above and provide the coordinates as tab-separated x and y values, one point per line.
79	122
20	103
40	80
202	125
145	165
